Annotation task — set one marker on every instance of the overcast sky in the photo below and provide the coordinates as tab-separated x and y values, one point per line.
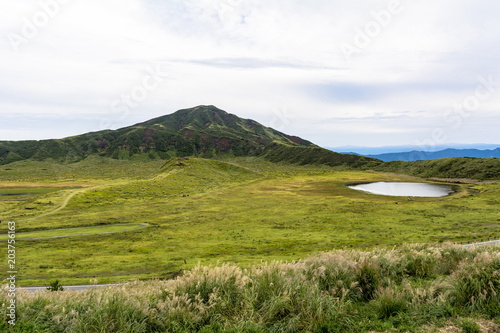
335	72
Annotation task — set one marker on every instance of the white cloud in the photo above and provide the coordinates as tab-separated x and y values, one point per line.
250	58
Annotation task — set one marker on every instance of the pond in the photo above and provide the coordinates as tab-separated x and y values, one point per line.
13	194
401	189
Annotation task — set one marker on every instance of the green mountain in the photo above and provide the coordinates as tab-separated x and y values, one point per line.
203	131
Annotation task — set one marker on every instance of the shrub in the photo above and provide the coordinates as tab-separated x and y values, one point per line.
477	283
469	326
420	264
392	265
390	302
55	286
368	279
209	291
107	312
333	272
451	256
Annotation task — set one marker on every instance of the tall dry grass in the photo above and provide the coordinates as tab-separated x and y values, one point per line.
337	291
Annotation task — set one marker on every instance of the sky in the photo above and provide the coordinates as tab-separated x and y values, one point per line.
335	72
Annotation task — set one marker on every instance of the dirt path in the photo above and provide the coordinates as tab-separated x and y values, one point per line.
66	199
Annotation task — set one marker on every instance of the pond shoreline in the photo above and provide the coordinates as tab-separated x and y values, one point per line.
405	189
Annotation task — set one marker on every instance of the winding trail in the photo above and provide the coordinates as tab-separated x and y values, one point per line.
63	205
66	199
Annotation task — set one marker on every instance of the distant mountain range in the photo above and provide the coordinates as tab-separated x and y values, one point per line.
420	155
416	155
203	131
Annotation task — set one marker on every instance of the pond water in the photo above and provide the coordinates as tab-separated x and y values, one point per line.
401	189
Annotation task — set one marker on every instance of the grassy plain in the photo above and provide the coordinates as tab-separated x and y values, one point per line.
203	211
75	232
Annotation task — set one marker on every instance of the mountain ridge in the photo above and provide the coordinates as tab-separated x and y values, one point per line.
203	131
420	155
365	150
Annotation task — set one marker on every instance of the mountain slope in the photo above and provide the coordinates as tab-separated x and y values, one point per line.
457	167
317	155
203	131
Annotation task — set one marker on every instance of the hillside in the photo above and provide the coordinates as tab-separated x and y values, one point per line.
203	131
317	156
458	167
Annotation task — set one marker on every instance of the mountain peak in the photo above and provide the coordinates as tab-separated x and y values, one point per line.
203	131
212	121
197	111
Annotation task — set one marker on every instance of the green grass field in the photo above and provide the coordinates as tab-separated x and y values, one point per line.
240	210
75	232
